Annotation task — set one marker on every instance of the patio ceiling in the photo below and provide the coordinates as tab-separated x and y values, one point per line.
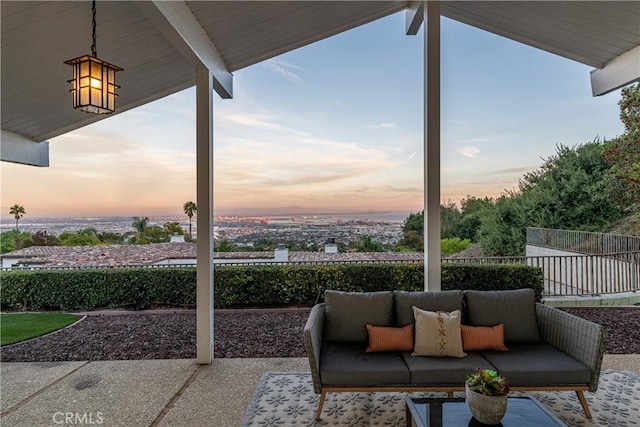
38	36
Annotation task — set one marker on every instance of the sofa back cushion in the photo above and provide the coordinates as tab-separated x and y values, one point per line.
516	309
428	301
347	314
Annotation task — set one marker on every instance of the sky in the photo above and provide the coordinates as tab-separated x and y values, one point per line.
334	125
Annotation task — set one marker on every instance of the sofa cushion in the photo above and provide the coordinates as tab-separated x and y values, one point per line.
483	338
437	334
541	364
443	370
347	364
430	301
385	338
516	309
347	313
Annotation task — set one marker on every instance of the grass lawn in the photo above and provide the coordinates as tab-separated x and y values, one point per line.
23	326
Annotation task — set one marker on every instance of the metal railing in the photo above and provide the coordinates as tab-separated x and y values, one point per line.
578	274
582	242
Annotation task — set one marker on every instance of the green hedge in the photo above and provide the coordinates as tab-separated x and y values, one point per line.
241	286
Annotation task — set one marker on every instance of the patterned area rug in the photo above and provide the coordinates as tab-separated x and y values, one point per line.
287	399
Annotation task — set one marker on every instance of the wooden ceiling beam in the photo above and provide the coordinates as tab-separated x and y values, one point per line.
176	22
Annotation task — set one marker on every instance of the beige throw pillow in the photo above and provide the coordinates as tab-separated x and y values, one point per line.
437	334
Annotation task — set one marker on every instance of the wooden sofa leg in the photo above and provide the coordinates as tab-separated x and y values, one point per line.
450	394
583	402
320	404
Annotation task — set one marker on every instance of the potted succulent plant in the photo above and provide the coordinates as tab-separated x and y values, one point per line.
486	395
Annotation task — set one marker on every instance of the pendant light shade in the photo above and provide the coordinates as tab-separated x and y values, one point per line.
93	85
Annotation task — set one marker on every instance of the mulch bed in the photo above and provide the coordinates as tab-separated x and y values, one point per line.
621	323
260	333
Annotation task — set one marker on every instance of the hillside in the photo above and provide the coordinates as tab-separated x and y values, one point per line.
629	226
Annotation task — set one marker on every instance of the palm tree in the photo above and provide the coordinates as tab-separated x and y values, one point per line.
18	212
225	246
140	224
189	209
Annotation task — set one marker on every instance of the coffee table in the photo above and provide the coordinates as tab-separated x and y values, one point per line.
453	412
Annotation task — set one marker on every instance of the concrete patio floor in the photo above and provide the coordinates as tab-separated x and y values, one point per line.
174	392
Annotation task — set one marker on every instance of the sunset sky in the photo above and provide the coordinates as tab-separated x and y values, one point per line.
334	125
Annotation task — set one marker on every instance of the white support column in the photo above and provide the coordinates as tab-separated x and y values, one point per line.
204	201
432	276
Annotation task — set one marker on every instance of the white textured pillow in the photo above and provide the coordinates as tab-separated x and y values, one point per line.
437	334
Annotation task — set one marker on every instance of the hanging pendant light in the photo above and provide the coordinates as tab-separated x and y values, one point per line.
93	86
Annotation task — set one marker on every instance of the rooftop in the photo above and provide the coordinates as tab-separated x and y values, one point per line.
122	255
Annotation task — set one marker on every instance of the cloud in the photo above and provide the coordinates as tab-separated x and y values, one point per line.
281	68
260	121
458	122
383	125
469	151
489	138
294	161
518	169
252	121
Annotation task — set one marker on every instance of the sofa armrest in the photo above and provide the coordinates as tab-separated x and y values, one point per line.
313	333
579	338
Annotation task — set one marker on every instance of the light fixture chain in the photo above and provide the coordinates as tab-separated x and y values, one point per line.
94	50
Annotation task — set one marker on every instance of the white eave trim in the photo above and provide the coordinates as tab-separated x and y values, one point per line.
16	148
175	20
618	72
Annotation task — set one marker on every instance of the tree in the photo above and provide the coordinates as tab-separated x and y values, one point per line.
453	245
623	153
42	238
472	210
503	229
154	234
13	240
173	228
85	237
572	190
18	212
140	224
413	232
190	208
450	218
111	238
224	246
367	244
265	245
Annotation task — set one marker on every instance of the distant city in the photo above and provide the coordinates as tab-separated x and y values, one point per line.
244	230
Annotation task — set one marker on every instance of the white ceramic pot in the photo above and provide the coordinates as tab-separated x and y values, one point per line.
486	409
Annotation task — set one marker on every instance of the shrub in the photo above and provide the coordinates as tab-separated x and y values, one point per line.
453	245
241	286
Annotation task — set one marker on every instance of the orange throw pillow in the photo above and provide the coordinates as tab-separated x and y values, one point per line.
383	338
483	338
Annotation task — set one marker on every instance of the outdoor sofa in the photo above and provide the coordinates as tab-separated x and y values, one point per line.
548	349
